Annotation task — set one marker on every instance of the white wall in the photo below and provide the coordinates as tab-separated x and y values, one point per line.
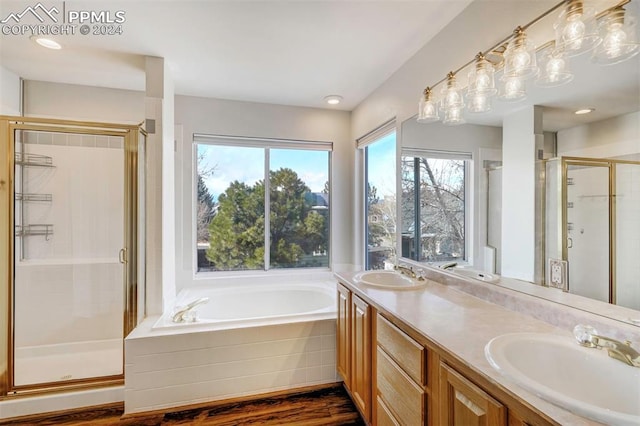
222	117
74	102
611	138
9	92
522	133
483	143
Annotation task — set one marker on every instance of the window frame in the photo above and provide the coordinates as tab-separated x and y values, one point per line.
467	157
266	144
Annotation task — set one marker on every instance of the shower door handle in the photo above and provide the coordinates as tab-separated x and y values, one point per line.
122	256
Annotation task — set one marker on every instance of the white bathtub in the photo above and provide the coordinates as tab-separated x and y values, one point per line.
257	304
249	339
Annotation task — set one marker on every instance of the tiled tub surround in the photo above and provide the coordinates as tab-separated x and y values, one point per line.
448	315
171	366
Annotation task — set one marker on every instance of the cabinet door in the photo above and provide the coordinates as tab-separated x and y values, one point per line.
463	403
361	355
343	334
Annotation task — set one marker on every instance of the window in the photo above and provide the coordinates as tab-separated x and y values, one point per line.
434	206
380	194
261	203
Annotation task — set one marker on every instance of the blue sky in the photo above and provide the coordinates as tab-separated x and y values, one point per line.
247	165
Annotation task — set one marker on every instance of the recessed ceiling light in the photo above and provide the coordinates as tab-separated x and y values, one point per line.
584	111
46	42
333	99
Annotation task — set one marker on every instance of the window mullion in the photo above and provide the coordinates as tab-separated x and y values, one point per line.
267	210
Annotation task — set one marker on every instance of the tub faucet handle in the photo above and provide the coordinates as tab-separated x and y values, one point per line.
187	313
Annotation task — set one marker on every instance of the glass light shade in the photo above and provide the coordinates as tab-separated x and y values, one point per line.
520	58
453	117
481	78
478	102
576	29
513	89
427	110
451	95
554	70
619	41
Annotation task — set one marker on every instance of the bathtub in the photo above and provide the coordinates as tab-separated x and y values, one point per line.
257	304
249	339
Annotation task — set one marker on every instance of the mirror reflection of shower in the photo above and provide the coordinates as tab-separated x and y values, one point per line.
592	206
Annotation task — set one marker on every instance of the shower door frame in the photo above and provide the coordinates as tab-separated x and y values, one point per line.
594	162
129	254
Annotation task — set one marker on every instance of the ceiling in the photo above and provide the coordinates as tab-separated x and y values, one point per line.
292	52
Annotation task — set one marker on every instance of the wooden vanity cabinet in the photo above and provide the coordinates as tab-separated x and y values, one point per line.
464	403
396	376
401	397
354	348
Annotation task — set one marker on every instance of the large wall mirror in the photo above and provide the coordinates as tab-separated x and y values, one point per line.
586	184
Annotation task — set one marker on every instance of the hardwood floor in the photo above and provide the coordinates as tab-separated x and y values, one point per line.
328	406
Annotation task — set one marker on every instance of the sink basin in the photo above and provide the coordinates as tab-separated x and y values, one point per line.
583	380
476	274
388	279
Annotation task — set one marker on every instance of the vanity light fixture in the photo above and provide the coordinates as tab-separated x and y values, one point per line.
482	85
619	41
575	32
576	29
584	111
427	108
333	99
46	42
554	68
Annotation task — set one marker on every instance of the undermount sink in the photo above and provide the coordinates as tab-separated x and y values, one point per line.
583	380
388	279
476	274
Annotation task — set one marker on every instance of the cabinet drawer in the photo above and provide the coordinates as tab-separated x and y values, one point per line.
404	398
403	349
385	418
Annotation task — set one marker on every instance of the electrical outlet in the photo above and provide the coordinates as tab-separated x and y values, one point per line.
558	274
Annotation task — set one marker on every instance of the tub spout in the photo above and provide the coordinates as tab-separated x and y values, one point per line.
182	314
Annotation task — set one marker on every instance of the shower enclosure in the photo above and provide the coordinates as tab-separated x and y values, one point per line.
593	207
70	251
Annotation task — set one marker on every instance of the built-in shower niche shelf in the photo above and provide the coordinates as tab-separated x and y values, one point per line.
45	229
33	160
20	196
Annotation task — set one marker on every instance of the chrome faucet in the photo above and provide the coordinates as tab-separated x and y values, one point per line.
449	265
183	314
622	351
408	271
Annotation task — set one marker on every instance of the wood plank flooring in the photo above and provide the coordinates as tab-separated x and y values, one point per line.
327	406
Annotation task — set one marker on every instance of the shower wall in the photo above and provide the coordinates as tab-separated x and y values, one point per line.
70	284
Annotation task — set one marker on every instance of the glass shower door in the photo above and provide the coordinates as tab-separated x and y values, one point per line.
68	287
587	229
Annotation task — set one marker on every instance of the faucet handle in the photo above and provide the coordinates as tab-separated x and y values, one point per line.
584	335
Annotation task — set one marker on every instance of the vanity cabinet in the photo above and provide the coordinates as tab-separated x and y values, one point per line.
400	376
354	348
464	403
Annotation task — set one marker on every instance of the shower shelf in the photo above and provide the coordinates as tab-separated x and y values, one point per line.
21	196
33	160
45	229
